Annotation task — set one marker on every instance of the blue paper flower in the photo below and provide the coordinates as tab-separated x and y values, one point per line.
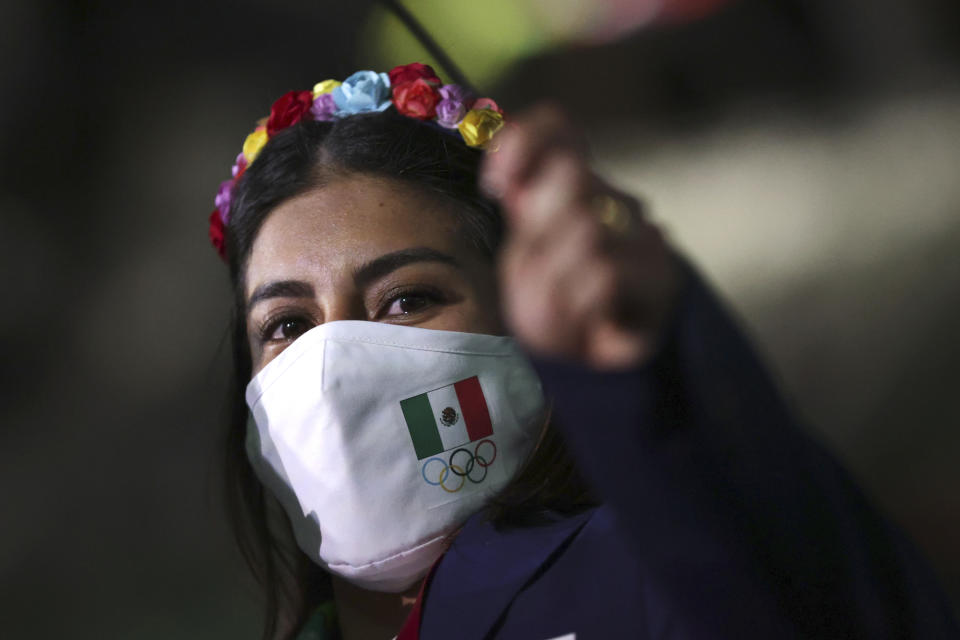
363	92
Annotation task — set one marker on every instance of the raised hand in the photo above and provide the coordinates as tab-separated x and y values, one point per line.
583	274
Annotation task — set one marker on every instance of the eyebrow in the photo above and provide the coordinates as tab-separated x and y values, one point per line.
362	275
389	262
280	289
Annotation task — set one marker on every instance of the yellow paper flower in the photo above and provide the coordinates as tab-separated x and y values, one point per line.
253	144
479	125
325	87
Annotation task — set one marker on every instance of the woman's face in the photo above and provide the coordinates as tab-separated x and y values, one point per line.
364	248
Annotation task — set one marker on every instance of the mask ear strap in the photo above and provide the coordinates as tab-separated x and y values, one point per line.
425	39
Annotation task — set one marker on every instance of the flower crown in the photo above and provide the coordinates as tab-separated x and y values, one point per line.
414	90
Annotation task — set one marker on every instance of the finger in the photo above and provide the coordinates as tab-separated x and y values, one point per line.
532	310
650	279
564	253
521	144
592	292
606	346
544	290
551	200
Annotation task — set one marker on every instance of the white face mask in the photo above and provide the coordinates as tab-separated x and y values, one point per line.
380	440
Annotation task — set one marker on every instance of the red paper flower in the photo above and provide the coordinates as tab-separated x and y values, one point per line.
288	110
409	72
417	99
216	234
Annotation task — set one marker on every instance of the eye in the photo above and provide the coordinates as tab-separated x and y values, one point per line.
285	329
409	302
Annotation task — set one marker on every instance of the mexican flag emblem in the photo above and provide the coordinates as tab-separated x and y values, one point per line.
447	418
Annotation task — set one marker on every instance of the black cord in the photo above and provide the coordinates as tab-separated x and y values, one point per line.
425	39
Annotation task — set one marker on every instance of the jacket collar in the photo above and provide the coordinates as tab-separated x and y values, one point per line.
484	570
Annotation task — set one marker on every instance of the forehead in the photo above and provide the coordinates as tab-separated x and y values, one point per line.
349	221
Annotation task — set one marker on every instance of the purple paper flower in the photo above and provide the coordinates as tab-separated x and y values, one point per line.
456	101
324	106
450	113
222	201
457	93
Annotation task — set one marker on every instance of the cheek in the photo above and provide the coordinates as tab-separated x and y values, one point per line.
480	311
487	318
258	359
260	354
466	317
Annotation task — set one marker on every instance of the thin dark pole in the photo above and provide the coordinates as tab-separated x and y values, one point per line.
434	49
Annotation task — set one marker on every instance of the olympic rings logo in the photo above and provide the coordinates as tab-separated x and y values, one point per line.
461	464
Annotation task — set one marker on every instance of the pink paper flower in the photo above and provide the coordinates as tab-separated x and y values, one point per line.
487	103
239	165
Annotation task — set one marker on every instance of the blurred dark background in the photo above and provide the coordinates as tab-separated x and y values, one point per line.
804	153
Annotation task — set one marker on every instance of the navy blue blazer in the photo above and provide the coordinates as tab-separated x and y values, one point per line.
720	518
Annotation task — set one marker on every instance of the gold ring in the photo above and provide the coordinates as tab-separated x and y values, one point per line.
613	213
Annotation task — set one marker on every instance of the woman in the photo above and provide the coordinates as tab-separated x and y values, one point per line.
386	423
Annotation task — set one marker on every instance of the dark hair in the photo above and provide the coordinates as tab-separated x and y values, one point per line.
297	159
